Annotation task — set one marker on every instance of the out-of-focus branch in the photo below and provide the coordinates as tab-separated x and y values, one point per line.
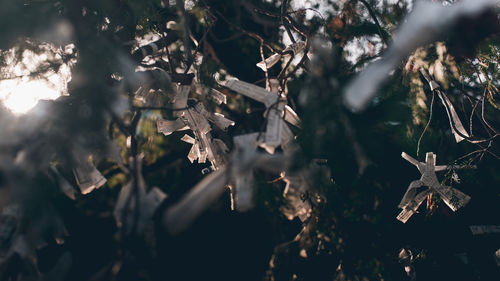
151	48
181	78
181	11
282	16
248	33
374	17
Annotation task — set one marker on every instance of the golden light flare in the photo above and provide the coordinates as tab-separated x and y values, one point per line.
21	96
22	92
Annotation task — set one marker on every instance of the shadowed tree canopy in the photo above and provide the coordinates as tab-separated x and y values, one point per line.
249	140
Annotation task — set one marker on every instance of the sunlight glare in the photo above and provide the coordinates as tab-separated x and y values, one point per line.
23	90
21	96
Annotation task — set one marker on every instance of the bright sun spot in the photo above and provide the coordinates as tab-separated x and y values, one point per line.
21	96
21	92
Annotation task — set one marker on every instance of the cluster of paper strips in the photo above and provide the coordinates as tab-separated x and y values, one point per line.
192	115
277	134
452	197
238	173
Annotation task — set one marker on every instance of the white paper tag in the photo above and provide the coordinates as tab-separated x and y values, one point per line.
217	96
88	177
167	127
291	117
244	191
452	197
252	91
180	99
272	136
453	117
484	229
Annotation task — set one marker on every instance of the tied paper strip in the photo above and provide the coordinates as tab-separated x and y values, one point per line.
167	127
181	215
217	147
452	197
137	206
218	97
220	152
162	80
288	144
218	119
113	152
455	123
291	117
242	192
200	127
454	119
254	92
194	152
484	229
154	79
181	99
87	176
272	136
277	132
64	186
292	50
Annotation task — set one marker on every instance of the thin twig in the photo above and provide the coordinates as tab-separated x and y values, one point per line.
248	33
448	111
159	108
282	16
426	125
266	73
472	115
